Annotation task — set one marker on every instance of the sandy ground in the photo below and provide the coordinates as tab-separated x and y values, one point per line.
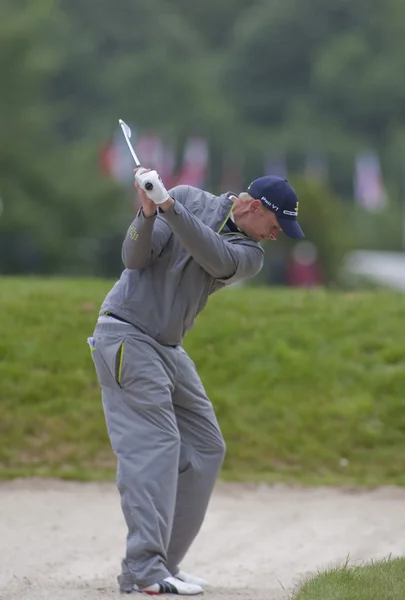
64	541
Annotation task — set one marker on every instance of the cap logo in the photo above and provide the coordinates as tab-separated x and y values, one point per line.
292	213
270	204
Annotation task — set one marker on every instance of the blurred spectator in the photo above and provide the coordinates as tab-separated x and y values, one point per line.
303	269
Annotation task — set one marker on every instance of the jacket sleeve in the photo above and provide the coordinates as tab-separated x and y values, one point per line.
227	261
144	241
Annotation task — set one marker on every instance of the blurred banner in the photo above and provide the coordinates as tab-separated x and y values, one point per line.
369	189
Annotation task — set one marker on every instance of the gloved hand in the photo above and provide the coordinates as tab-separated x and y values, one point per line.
152	185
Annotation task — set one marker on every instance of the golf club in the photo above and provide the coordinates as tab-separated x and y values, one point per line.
127	134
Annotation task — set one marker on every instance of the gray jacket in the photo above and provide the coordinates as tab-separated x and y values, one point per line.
175	260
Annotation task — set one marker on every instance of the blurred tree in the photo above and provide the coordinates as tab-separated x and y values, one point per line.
313	75
140	61
293	76
325	225
214	20
45	210
25	189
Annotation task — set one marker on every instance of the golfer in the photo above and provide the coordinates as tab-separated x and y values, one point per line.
183	245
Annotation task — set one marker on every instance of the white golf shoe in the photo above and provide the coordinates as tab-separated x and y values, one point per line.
187	578
171	585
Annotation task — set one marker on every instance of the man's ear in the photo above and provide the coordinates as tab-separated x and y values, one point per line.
254	205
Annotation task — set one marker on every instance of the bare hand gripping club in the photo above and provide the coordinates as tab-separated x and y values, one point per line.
127	134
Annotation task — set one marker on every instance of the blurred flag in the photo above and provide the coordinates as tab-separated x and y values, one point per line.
149	149
167	166
316	167
193	170
232	171
275	165
116	160
153	153
368	184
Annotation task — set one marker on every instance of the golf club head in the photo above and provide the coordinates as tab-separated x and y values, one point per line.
127	134
125	128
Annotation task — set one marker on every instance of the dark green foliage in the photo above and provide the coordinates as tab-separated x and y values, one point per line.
285	77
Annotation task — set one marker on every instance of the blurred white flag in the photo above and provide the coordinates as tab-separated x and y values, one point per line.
368	182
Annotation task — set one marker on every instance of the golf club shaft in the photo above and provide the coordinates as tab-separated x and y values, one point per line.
138	164
127	134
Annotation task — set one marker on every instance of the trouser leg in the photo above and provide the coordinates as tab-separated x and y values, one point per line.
136	390
202	452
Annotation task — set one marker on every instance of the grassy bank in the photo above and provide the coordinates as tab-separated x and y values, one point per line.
308	385
383	580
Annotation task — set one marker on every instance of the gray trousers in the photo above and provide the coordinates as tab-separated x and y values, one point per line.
168	445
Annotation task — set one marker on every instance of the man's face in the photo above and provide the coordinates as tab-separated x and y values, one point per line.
261	223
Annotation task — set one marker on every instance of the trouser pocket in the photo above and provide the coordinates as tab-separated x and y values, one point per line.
108	356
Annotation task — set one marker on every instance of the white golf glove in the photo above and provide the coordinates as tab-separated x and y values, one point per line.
152	185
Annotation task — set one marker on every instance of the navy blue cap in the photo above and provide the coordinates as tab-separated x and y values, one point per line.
277	195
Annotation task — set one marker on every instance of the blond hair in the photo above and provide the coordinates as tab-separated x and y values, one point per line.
246	197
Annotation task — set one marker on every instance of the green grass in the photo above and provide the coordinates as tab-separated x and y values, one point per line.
308	385
383	580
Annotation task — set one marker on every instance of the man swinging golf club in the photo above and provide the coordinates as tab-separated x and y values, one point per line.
183	245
